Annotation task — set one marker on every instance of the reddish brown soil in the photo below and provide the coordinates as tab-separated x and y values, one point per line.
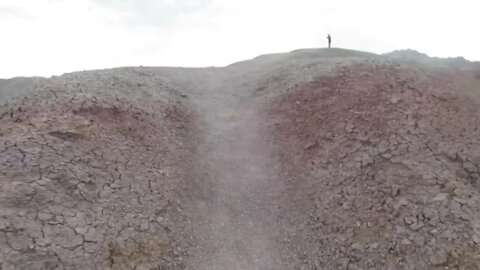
315	159
381	164
93	183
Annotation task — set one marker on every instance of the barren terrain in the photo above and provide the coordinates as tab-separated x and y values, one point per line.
314	159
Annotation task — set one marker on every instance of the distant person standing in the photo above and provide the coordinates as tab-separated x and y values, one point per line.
329	38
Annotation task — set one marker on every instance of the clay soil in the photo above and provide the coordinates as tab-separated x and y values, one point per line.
315	159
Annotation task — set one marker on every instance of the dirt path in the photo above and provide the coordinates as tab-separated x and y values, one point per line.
235	229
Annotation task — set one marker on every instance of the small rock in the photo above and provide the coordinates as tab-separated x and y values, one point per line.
476	238
4	223
92	236
462	192
454	254
349	127
91	247
115	186
449	235
356	246
410	220
417	226
81	230
309	145
406	242
418	240
440	258
430	213
395	191
44	181
401	202
395	99
440	197
59	219
469	167
455	207
387	155
341	238
347	205
44	216
144	225
461	202
401	230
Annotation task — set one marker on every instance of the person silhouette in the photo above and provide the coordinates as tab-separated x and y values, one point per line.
329	38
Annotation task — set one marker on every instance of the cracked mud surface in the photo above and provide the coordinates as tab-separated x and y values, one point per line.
382	168
90	171
317	159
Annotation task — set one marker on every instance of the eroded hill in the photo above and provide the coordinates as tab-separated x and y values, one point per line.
90	166
316	159
380	174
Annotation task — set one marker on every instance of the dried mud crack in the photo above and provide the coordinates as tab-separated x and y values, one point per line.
314	159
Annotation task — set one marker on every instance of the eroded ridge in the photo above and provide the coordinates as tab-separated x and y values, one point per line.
315	159
89	169
382	169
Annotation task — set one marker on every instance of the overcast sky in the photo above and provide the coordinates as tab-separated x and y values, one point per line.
47	37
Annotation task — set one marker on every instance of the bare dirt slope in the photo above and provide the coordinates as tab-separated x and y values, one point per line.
315	159
90	172
382	165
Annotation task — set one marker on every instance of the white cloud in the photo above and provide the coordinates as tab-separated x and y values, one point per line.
45	37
